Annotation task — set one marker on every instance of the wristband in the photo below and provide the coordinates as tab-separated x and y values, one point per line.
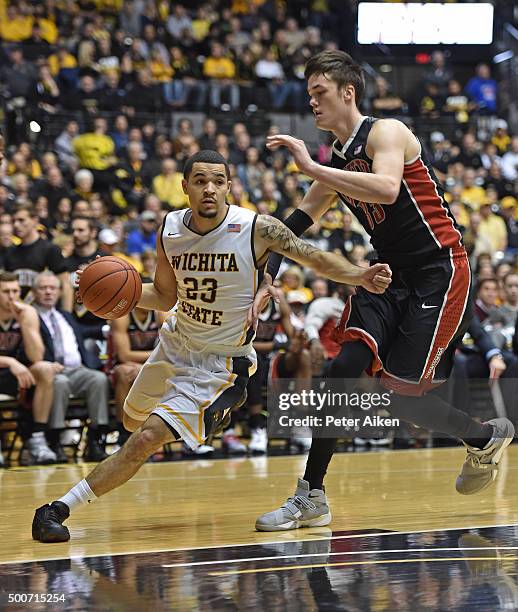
298	222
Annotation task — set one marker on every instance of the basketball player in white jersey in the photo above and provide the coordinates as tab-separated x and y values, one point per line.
209	258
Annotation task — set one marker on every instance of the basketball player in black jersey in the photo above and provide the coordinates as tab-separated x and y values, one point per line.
408	335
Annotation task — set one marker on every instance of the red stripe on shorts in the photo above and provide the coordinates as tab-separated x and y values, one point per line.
451	314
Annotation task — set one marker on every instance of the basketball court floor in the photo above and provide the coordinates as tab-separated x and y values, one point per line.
180	536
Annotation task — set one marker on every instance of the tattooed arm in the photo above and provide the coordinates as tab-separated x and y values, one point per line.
272	235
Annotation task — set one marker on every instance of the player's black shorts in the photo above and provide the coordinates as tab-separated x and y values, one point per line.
8	382
413	328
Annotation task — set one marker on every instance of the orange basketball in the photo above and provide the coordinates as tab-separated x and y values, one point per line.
110	287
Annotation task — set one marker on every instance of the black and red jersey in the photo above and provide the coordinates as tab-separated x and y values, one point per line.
419	225
143	335
10	338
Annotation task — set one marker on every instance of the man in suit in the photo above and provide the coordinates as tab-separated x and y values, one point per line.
64	344
480	357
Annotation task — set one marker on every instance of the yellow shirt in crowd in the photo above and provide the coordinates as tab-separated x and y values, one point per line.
219	68
169	189
94	151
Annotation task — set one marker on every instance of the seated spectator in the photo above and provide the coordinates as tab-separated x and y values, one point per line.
432	102
64	146
500	137
85	250
109	243
473	237
510	161
54	188
144	238
65	349
469	155
144	96
34	254
84	185
492	226
269	71
344	239
132	177
385	103
483	90
120	134
439	73
207	139
96	152
509	208
178	22
86	99
504	315
63	66
456	103
486	297
292	279
221	70
472	192
186	84
134	338
46	95
321	319
167	186
479	357
21	364
112	95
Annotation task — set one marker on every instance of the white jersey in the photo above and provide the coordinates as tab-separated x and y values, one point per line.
216	275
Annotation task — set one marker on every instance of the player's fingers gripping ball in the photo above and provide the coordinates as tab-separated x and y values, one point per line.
110	287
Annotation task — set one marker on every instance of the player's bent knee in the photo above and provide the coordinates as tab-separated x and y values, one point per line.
145	442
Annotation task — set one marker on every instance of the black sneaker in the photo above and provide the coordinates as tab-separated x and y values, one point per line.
47	523
59	451
94	451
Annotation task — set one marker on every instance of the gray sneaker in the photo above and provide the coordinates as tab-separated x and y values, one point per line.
305	509
39	451
481	465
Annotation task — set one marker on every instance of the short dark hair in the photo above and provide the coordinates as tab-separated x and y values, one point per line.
8	277
339	67
206	156
92	224
484	281
27	206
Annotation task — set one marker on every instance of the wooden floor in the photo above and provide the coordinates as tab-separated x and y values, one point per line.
211	505
195	504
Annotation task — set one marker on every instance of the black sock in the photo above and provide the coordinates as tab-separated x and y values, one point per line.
257	421
320	454
434	414
354	358
36	427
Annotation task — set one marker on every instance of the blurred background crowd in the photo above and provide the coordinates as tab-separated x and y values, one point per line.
101	103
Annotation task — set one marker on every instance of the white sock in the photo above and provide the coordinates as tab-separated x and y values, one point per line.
79	495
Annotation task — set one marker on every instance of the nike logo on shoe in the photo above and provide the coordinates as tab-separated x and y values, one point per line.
423	305
169	234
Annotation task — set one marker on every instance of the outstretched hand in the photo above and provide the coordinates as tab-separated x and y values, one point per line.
265	292
377	278
295	146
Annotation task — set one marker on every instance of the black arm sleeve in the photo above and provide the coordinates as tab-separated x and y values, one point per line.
298	222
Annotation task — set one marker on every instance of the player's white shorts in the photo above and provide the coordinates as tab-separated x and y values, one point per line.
189	390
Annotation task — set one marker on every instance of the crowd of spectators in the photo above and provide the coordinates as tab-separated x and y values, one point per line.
105	183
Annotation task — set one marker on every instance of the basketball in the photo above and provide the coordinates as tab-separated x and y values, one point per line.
110	287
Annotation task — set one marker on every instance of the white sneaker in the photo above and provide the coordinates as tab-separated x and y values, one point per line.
39	451
203	450
231	444
258	441
302	444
